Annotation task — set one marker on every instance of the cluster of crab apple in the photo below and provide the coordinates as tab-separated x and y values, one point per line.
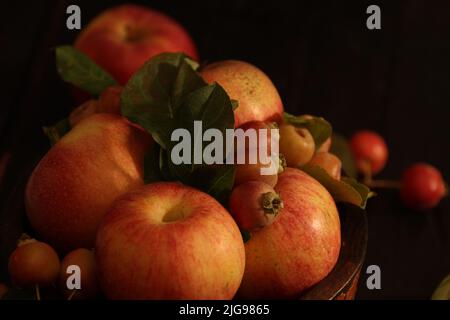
421	186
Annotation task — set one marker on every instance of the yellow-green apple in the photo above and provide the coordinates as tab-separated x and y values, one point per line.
329	162
254	205
75	183
122	38
167	240
299	248
296	145
257	96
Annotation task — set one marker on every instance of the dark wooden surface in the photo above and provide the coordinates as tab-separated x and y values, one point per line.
322	59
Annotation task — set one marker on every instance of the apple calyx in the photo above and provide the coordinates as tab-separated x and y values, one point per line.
281	163
271	203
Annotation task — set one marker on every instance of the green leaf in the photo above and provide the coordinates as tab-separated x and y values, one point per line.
341	149
57	131
319	128
154	93
222	183
167	94
345	190
78	69
235	104
442	292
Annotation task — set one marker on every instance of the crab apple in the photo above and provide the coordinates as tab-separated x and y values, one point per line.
109	100
85	260
122	38
422	186
370	151
254	204
329	162
252	171
325	147
296	145
257	96
33	263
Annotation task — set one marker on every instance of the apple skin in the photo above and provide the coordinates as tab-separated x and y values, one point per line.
299	248
122	38
329	162
257	96
296	145
169	241
75	183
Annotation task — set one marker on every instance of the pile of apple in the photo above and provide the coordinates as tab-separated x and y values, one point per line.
106	198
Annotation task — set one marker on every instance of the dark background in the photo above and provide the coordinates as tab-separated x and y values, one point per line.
323	60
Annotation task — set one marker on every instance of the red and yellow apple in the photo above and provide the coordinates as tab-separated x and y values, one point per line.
122	38
329	162
169	241
299	248
76	182
256	94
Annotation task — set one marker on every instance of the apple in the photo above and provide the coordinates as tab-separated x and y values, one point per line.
370	151
329	162
296	145
167	240
252	171
122	38
325	147
108	102
422	186
33	263
254	205
76	182
256	94
85	260
299	248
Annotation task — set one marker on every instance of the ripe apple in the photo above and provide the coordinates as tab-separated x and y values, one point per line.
122	38
77	180
85	260
370	151
329	162
422	186
296	145
252	171
299	248
254	205
33	263
257	96
169	241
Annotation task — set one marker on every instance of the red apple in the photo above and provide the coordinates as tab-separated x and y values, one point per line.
257	96
76	182
422	186
252	171
299	248
122	38
254	205
370	151
169	241
85	260
329	162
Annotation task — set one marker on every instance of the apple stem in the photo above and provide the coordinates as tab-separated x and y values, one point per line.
71	295
383	184
38	293
271	203
367	172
